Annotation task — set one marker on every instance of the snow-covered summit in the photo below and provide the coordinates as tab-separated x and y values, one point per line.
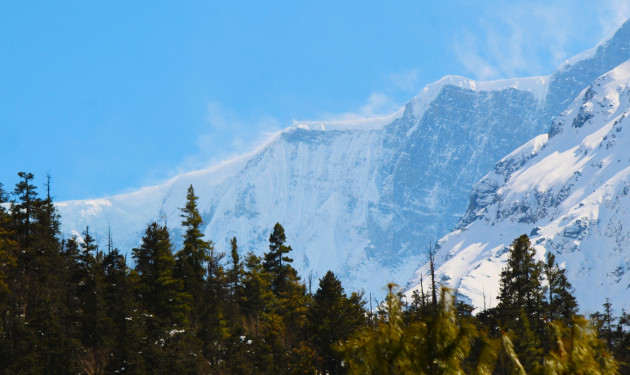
362	197
536	85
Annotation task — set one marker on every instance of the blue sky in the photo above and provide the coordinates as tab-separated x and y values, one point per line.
111	96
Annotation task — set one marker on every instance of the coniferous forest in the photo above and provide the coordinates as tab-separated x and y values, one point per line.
70	306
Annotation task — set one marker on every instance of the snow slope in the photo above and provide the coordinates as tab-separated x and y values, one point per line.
362	198
569	193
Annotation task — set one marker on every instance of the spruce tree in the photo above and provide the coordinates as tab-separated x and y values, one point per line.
214	328
561	303
96	326
162	295
276	261
191	260
171	346
8	248
521	286
332	318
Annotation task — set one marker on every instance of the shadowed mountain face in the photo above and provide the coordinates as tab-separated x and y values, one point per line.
363	202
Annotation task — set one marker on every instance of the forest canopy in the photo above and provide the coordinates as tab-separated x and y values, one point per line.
69	306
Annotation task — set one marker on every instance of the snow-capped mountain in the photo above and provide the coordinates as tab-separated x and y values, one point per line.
569	191
362	199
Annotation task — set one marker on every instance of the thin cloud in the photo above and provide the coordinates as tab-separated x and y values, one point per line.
376	105
406	81
228	136
613	14
533	38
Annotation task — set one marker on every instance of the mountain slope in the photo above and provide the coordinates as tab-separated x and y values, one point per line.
363	200
568	192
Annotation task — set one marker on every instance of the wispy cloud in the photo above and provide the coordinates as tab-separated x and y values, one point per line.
376	105
228	135
406	81
532	38
613	14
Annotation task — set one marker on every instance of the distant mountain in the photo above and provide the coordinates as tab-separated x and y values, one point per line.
362	199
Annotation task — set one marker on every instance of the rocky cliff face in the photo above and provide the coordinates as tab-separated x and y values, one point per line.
364	201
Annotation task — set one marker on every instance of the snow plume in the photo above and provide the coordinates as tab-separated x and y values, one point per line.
244	135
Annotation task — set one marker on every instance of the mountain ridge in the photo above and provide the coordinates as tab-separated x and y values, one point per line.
363	202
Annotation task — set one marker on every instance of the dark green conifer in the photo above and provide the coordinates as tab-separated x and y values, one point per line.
561	303
521	286
191	260
276	261
333	317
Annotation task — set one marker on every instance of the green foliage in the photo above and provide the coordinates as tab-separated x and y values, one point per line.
577	350
521	285
277	263
68	307
161	294
190	264
561	303
384	348
332	318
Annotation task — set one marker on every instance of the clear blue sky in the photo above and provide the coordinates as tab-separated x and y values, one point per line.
111	96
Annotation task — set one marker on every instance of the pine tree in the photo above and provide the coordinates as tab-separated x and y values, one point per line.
96	326
236	271
191	260
262	325
214	327
161	293
171	346
521	301
441	341
276	261
8	248
333	317
561	303
124	310
23	210
521	286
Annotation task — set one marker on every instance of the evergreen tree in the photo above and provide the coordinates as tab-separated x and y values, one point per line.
521	286
8	248
162	295
236	271
605	324
527	344
561	303
37	298
277	263
96	326
521	302
333	317
170	346
262	325
125	312
192	258
24	209
214	327
441	341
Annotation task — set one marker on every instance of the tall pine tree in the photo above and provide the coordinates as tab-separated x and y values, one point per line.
191	260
